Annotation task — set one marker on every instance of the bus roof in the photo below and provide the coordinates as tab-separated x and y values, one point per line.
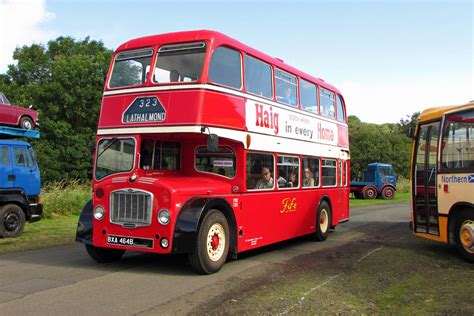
437	112
217	39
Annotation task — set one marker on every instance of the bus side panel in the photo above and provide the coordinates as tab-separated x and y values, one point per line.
274	216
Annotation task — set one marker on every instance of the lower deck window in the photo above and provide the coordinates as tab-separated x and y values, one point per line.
220	162
288	172
259	171
329	172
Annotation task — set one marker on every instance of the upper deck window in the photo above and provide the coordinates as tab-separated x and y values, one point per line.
226	67
179	62
327	103
285	87
258	77
131	68
341	117
308	97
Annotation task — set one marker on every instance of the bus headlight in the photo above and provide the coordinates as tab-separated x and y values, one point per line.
164	217
99	213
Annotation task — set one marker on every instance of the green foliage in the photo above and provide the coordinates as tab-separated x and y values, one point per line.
65	198
64	81
386	143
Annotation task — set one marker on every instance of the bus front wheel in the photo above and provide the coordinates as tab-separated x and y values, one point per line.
464	234
212	244
323	222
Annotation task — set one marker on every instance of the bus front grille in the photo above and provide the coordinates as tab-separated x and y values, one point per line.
131	207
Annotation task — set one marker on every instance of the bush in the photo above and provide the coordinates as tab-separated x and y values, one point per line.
403	185
65	198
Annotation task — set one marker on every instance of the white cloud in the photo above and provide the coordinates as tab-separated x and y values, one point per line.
21	23
387	102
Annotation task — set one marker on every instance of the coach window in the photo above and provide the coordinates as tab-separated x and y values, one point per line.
310	172
159	155
260	171
329	172
226	67
308	97
458	142
326	98
221	162
258	77
286	87
288	172
341	117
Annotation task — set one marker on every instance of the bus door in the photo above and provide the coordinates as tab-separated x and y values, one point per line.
425	192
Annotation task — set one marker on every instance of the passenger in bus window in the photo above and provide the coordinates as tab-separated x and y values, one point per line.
328	111
308	178
267	181
292	180
174	75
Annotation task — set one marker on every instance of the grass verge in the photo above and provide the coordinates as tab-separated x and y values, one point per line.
56	231
399	198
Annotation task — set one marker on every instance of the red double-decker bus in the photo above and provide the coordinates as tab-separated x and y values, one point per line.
209	147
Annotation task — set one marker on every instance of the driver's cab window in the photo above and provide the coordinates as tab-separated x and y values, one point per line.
160	155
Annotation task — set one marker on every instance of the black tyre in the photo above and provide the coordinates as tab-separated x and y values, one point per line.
369	193
104	255
26	123
12	220
358	195
323	222
464	234
212	244
388	193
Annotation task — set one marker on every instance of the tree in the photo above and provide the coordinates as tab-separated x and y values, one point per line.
378	143
64	81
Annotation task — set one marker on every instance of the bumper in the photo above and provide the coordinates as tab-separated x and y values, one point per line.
36	212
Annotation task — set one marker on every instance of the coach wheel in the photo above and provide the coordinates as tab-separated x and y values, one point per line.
104	255
26	123
369	194
388	193
357	195
212	244
464	234
323	222
12	220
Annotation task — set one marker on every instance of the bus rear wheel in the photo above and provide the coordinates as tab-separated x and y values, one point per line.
323	222
104	255
464	234
212	244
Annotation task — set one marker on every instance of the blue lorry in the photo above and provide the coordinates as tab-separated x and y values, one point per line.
19	182
379	180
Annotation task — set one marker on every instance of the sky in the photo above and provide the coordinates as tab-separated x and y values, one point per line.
388	58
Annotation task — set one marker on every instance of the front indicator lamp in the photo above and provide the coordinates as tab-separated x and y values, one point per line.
99	213
164	217
164	243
